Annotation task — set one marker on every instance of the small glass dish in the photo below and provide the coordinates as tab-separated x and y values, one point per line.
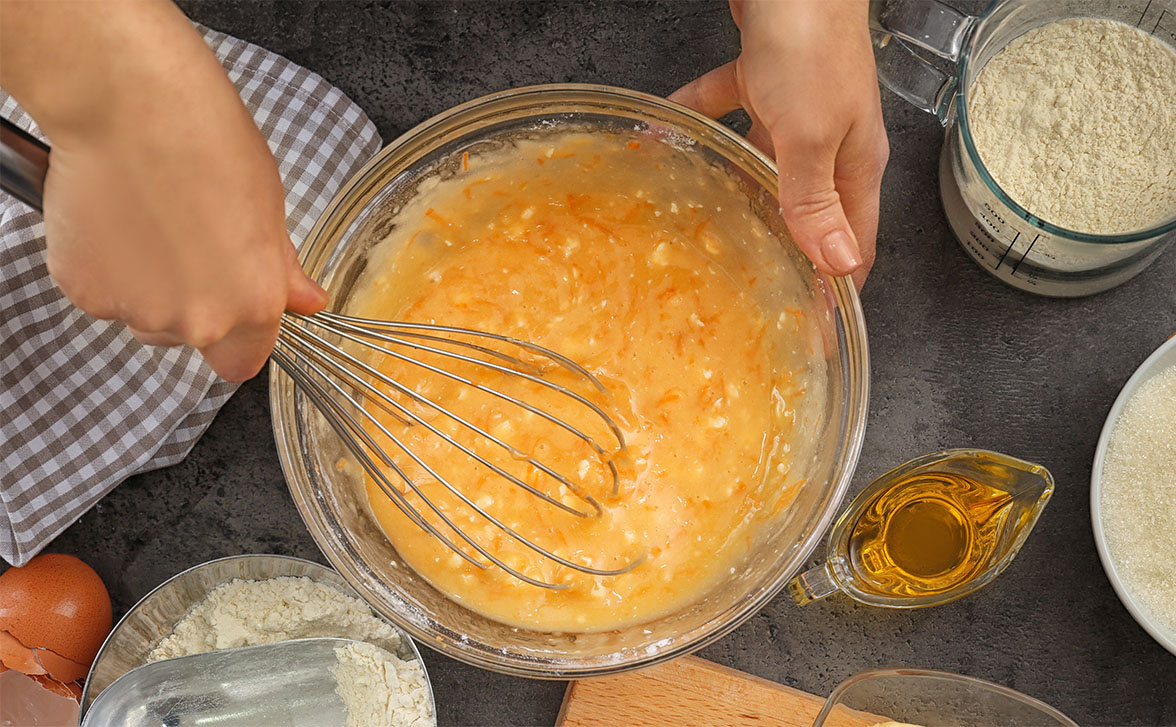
933	699
1024	489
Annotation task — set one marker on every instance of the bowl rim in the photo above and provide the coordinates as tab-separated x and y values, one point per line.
839	289
405	636
867	674
1150	368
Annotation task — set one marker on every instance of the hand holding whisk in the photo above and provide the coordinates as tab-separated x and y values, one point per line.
322	354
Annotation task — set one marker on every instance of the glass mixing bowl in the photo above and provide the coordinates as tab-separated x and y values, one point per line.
830	424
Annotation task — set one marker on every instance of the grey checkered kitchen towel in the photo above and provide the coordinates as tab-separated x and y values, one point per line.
83	405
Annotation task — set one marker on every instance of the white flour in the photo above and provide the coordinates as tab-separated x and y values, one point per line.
248	613
1076	120
379	689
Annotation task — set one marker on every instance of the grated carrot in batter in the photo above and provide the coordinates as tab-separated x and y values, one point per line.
571	245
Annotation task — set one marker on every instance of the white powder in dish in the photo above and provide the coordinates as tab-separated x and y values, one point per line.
1139	496
380	690
1076	121
249	613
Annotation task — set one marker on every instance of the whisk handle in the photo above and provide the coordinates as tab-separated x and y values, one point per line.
24	161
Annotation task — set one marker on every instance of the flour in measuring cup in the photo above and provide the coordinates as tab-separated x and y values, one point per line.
1076	121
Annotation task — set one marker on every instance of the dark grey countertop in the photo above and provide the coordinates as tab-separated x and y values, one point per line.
958	360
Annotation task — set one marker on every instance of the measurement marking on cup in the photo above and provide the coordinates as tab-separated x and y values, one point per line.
1027	251
1159	20
1007	251
1144	13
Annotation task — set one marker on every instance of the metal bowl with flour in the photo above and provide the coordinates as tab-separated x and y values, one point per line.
156	614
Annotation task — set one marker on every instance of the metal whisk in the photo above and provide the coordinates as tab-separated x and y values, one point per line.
336	381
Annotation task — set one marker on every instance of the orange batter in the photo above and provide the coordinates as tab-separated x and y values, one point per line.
567	244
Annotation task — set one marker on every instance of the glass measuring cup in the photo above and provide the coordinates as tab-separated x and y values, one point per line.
1006	239
882	550
924	696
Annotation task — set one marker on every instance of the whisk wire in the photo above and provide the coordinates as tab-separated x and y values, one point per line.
312	361
600	452
440	514
347	323
400	500
513	361
342	424
472	505
402	413
406	328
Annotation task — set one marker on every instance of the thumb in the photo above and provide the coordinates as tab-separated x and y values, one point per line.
716	94
713	94
303	294
812	208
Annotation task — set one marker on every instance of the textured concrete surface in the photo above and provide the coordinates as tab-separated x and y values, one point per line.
958	360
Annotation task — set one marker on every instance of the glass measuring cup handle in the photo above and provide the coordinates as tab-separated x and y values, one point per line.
896	25
813	585
24	161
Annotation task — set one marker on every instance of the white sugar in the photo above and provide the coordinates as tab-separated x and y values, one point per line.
1139	497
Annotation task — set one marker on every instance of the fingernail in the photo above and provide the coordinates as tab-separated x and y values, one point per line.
840	252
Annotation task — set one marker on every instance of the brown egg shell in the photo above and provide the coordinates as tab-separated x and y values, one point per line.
37	700
60	668
71	690
17	656
56	602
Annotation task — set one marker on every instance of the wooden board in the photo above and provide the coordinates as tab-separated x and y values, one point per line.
695	692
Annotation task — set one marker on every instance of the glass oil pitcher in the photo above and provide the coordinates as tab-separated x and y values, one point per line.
930	531
1007	240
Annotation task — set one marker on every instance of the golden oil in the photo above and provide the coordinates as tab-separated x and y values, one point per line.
926	534
930	531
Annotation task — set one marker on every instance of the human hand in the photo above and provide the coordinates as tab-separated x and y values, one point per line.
163	204
806	78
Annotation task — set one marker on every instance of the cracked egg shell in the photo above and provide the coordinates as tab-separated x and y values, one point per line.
37	701
36	662
60	668
15	655
56	603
